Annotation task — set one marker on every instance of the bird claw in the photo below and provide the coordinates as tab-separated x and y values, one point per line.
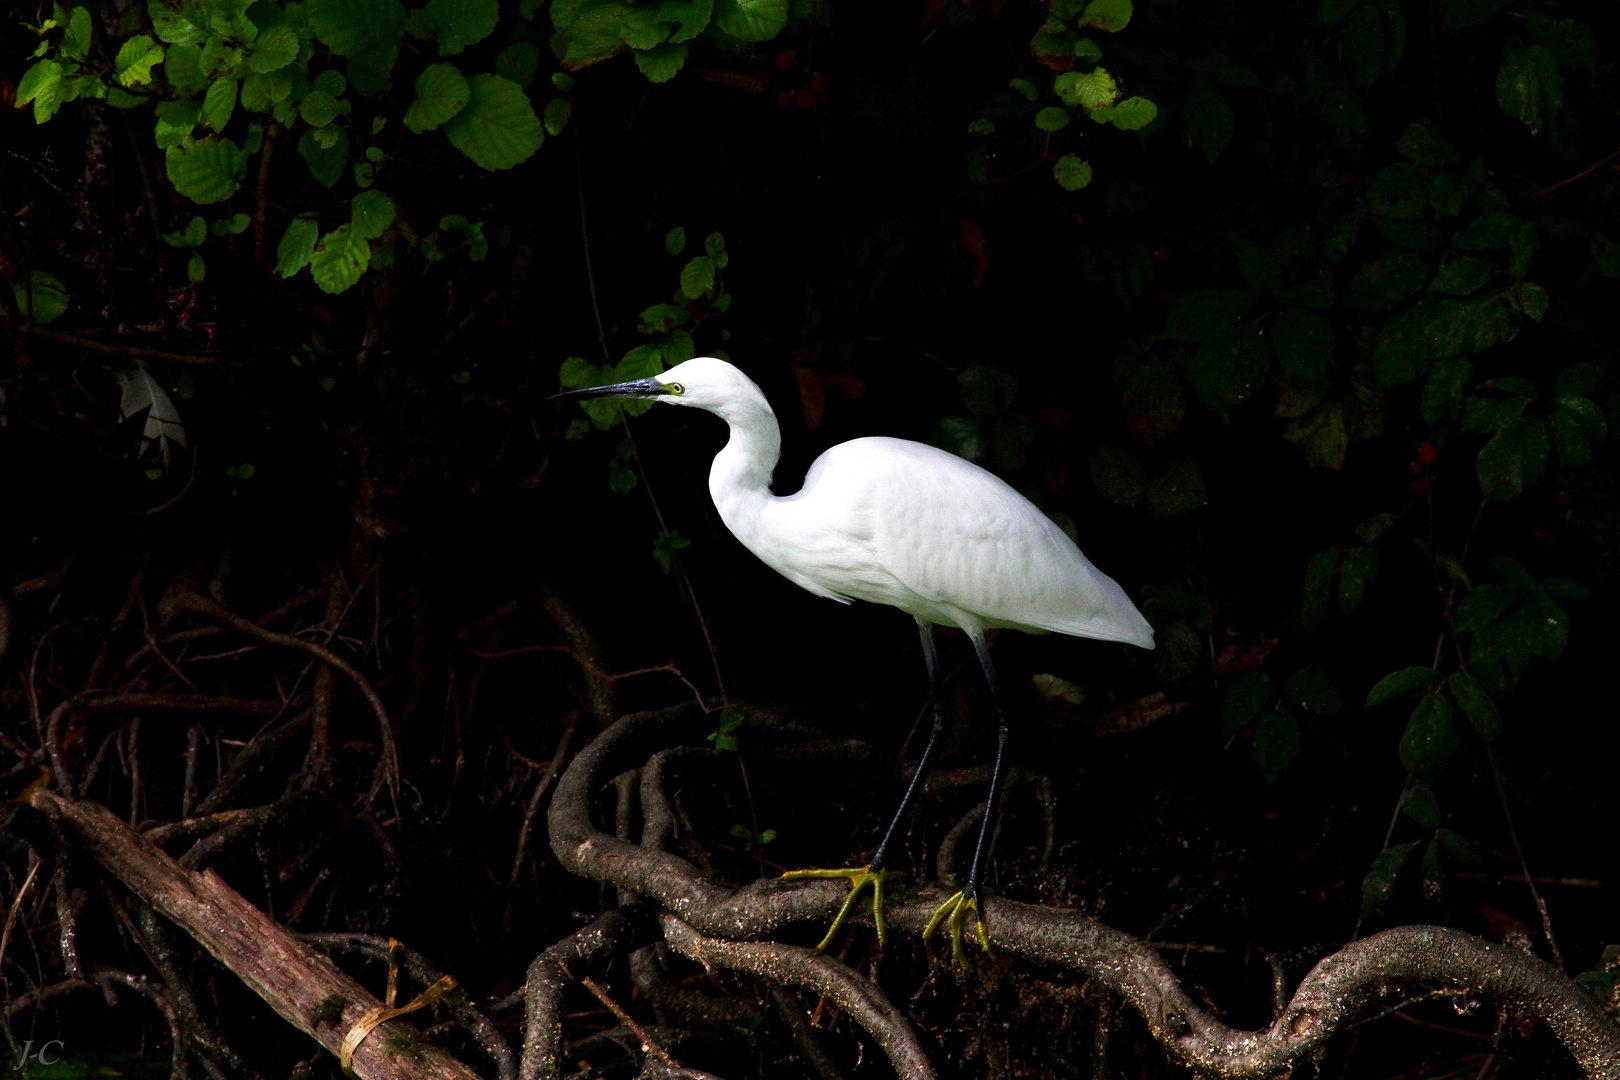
955	909
859	877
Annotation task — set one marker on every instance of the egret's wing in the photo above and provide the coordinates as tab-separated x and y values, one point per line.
960	539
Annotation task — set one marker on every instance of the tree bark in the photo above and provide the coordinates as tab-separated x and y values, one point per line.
300	984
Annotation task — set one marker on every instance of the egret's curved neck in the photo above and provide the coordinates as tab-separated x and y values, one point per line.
741	473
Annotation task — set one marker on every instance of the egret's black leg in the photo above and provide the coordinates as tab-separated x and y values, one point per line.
970	897
873	873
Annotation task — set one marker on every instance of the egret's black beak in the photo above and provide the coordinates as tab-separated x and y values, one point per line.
641	388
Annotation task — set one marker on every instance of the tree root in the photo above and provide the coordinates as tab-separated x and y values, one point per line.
724	927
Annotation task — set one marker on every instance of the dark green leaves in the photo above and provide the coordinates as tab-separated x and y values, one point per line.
1385	282
209	170
340	258
1359	569
665	547
1421	144
1403	683
724	736
1178	490
1514	458
1510	621
1529	87
1276	742
1319	586
40	296
441	92
1476	704
751	20
1430	738
1244	699
1380	879
1119	476
1421	806
1229	367
1071	172
297	247
497	128
1209	118
1310	688
364	30
456	23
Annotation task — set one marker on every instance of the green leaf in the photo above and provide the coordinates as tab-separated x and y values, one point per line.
1464	14
297	247
665	547
1052	118
1071	173
675	240
193	235
1310	688
558	113
661	62
1442	402
1487	232
1485	605
1276	742
1321	436
40	296
235	225
1421	806
1333	12
1430	738
1571	43
1026	88
1229	367
1476	704
1532	299
1358	571
1448	195
1178	490
518	62
1209	118
1109	16
1091	90
1384	283
1119	476
1529	88
1496	402
219	103
208	171
1399	191
186	26
441	93
135	60
751	20
318	108
340	258
713	245
326	163
1513	459
364	30
661	318
1456	846
1133	114
697	277
1223	69
498	128
371	214
196	268
1303	344
1319	586
458	23
1522	247
273	49
1421	144
76	35
1464	276
1244	699
1376	526
1380	879
1401	683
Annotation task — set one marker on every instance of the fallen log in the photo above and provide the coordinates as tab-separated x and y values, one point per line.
299	983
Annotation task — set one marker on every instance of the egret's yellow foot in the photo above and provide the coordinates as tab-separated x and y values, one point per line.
956	909
859	878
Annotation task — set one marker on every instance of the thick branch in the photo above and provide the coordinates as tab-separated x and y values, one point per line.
1326	1001
303	986
796	966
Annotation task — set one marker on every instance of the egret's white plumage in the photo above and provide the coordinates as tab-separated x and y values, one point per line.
900	523
903	524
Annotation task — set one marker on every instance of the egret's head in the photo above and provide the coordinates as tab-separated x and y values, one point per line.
704	381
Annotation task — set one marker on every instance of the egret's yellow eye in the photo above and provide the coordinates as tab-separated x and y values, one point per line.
675	388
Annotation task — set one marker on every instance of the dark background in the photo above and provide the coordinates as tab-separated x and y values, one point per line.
877	253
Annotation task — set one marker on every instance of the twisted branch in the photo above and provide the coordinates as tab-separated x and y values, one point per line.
708	920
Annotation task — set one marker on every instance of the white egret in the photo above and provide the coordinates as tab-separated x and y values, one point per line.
899	523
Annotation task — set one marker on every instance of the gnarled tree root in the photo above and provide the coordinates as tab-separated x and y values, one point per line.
711	922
